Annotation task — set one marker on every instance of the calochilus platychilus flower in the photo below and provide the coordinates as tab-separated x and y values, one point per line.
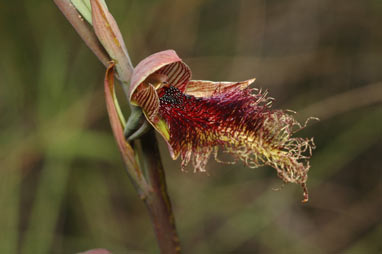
198	118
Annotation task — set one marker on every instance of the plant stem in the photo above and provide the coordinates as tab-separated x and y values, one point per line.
157	200
158	203
83	29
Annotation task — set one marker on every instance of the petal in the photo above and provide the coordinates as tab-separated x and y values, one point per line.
205	88
165	62
164	66
147	98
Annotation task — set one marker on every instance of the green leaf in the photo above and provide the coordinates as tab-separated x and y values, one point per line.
84	7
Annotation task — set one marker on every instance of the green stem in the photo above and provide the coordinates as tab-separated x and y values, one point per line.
138	133
158	202
133	121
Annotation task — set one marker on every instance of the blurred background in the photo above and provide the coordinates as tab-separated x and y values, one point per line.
63	187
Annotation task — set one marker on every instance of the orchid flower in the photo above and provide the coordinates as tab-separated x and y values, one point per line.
197	118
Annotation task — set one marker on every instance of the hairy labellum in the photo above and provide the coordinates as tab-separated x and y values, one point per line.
197	118
239	122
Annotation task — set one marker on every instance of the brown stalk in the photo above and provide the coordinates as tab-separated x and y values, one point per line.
158	203
152	187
